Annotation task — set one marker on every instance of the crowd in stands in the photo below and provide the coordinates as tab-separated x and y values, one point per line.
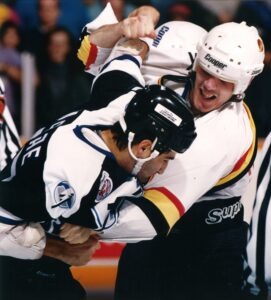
49	30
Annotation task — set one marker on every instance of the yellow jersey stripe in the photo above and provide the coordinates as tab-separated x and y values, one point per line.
170	207
245	160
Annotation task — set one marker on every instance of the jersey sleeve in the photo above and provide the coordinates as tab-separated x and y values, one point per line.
131	219
92	56
212	168
120	75
117	83
132	225
20	239
24	241
125	218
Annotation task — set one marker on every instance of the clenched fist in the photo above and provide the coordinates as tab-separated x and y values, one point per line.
75	234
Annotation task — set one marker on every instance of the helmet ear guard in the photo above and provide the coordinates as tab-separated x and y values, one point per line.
162	113
232	52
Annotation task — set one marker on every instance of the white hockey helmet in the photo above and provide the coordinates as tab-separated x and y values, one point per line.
233	52
173	51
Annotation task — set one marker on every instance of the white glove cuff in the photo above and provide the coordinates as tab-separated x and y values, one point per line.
26	241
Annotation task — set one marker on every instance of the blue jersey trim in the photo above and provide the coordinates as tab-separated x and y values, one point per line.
8	221
78	132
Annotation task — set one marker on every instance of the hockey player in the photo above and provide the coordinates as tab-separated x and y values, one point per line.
257	268
14	269
155	121
74	170
202	256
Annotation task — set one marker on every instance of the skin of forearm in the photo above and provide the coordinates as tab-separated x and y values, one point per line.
136	47
107	35
140	23
52	248
72	254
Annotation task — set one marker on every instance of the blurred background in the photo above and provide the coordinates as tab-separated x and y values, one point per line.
44	79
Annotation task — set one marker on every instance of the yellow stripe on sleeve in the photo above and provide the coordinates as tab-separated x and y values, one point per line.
84	50
170	207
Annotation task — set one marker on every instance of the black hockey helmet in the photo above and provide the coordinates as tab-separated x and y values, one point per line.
164	113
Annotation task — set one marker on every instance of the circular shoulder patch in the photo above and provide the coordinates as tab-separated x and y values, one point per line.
64	195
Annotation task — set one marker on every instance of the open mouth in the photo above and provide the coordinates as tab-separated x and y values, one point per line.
207	96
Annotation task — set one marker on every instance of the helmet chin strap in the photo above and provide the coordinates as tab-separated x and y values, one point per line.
140	161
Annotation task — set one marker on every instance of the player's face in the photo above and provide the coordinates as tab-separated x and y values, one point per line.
155	166
209	92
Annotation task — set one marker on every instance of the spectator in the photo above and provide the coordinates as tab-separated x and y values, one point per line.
73	15
48	16
121	8
63	85
194	12
27	11
93	8
224	10
258	13
8	14
162	6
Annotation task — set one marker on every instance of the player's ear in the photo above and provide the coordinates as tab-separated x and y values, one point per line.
143	149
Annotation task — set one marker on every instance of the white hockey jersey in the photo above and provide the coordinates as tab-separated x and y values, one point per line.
65	173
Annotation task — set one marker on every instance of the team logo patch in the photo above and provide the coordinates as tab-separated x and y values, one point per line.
105	188
64	195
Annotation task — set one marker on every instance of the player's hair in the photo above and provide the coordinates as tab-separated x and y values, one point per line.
121	138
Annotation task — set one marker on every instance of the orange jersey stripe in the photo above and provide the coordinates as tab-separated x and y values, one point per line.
168	204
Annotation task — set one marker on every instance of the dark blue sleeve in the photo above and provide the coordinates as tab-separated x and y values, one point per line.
109	86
